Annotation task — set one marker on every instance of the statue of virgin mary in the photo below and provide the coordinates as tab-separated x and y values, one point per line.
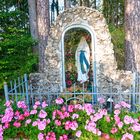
82	57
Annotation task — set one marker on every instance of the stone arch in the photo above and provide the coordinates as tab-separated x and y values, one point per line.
95	23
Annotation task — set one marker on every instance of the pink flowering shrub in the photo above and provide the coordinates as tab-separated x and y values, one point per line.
61	122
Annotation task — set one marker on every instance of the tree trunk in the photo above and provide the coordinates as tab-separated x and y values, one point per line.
43	22
132	38
106	9
33	21
95	4
116	20
67	4
84	3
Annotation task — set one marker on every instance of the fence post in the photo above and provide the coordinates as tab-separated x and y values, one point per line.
133	95
94	84
26	89
6	91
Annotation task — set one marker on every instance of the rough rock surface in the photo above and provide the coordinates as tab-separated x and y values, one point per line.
106	65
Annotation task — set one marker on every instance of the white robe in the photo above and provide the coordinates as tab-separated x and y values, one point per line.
82	46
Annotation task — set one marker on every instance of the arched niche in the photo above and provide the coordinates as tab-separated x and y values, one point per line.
93	50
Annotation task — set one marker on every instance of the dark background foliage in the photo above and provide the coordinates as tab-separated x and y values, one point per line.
16	57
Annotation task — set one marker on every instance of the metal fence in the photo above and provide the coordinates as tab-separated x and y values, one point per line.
20	89
17	90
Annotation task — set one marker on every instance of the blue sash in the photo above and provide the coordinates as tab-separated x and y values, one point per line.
82	61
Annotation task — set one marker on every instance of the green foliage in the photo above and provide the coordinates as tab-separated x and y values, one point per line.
118	37
16	45
114	14
2	107
16	57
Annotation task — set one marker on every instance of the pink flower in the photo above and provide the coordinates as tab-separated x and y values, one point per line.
103	112
50	136
8	103
78	106
21	104
91	126
59	101
21	117
44	104
107	118
54	114
135	121
74	125
17	124
67	125
48	121
6	125
101	100
37	103
58	123
78	133
106	136
127	136
28	121
35	107
33	112
97	116
88	108
75	116
8	116
63	137
40	136
1	132
120	124
128	120
42	114
98	132
114	130
63	108
42	124
17	113
69	82
60	114
125	105
117	119
117	106
35	123
66	114
136	127
117	112
26	114
70	108
71	125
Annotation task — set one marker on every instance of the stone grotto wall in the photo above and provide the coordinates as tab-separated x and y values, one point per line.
106	63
